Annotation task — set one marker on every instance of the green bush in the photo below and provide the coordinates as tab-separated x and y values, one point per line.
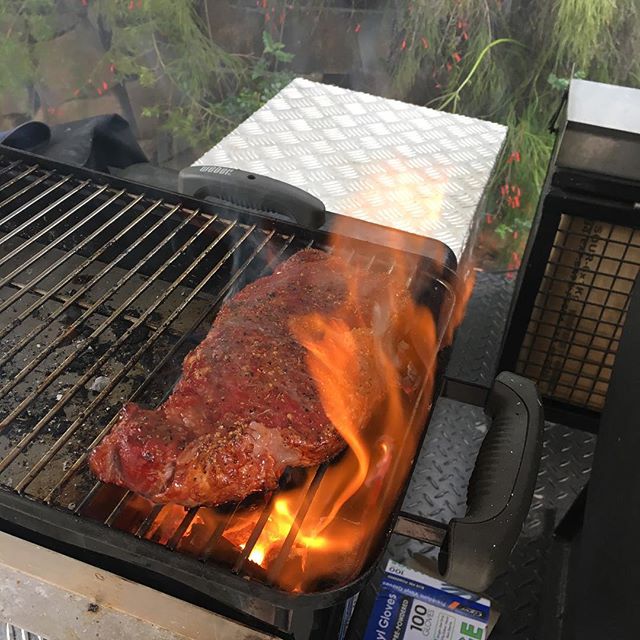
506	61
510	62
164	40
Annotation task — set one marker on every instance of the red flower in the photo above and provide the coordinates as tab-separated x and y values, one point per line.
357	28
514	157
514	265
456	56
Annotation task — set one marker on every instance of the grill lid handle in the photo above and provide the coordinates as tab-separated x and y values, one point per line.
475	549
252	191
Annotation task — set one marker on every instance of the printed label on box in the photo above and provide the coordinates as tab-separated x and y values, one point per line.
414	606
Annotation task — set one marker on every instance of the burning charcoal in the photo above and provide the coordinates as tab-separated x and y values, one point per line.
99	383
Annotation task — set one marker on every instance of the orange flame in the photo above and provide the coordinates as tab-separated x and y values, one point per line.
375	380
374	373
332	362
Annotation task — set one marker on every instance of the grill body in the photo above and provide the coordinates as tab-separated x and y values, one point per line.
105	286
582	256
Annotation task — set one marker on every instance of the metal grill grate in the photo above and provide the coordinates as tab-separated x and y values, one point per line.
102	294
580	309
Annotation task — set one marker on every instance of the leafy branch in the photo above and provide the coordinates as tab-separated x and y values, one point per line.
446	99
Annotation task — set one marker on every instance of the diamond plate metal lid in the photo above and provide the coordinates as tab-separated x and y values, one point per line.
381	160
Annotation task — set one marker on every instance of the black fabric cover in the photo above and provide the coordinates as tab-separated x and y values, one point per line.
97	143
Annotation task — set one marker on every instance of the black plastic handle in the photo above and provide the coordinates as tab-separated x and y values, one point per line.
253	191
476	548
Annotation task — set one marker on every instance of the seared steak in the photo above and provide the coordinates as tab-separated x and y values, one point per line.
246	406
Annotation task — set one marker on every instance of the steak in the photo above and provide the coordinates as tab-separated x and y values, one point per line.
246	406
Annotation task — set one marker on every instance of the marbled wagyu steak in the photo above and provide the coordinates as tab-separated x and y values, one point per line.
246	407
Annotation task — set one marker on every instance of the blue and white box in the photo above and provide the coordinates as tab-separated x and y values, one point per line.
414	606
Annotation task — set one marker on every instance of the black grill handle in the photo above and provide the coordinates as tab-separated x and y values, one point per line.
253	191
475	549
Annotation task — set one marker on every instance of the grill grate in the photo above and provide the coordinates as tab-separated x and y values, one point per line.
574	330
102	294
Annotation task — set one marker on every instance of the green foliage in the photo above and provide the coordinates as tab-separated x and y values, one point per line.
274	49
203	91
453	97
167	43
504	61
22	25
562	84
461	55
580	24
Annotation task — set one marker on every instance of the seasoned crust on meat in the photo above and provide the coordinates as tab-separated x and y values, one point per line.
246	406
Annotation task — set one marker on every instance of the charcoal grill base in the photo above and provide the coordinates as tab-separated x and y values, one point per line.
178	256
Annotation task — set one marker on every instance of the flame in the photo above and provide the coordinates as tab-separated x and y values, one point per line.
332	360
374	375
373	363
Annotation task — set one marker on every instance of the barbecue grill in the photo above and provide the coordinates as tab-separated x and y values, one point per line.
105	287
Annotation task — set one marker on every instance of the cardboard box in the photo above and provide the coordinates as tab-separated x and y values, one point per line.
415	606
